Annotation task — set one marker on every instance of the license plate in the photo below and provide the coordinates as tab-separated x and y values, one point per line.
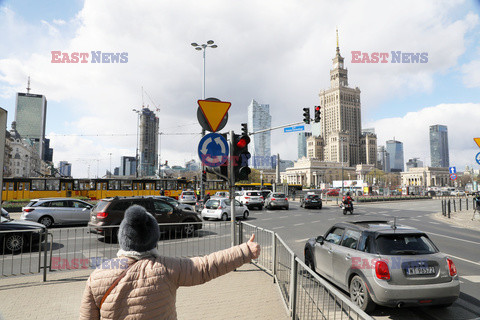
314	200
420	271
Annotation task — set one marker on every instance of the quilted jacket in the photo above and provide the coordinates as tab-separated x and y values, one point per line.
148	290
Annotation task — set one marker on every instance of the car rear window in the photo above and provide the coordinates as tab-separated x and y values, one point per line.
188	193
404	244
278	195
101	205
31	203
254	194
212	204
313	196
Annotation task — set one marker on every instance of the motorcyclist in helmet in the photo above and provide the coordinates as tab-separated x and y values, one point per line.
347	199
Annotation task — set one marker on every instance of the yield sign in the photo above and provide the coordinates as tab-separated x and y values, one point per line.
214	111
477	140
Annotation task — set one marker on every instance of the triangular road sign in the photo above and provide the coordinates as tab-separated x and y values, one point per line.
214	111
477	140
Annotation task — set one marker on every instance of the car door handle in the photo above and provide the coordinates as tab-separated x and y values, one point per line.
347	257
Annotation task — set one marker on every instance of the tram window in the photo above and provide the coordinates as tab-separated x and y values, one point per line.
147	186
92	185
3	187
38	185
20	186
171	185
53	184
27	186
126	185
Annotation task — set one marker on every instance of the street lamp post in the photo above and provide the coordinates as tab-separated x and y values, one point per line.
110	172
203	47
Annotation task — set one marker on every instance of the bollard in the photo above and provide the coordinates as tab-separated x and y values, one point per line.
454	205
460	204
466	203
444	209
449	208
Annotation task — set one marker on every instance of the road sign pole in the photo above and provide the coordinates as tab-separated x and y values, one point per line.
202	181
232	189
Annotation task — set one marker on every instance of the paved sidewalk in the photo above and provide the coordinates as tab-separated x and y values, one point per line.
248	293
465	219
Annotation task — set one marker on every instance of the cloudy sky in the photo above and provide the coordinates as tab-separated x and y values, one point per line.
276	52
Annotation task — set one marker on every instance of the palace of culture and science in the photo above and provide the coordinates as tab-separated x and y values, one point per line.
337	143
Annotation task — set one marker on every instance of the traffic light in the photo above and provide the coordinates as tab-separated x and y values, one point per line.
244	129
240	157
317	114
204	175
306	115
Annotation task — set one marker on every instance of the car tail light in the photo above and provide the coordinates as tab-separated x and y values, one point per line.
247	197
286	199
261	197
102	215
28	210
381	270
273	199
451	267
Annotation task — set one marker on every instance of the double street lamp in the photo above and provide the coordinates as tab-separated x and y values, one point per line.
203	47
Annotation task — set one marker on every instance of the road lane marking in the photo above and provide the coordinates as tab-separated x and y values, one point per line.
441	235
475	279
302	240
413	219
466	260
276	228
316	221
266	219
299	224
382	212
433	222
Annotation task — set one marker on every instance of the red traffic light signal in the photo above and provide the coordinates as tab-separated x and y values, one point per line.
243	142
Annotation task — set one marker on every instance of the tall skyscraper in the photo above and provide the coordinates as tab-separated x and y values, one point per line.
128	166
65	169
383	159
30	117
395	151
302	143
148	143
341	116
259	118
439	146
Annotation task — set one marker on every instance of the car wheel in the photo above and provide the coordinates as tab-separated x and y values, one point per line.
286	208
47	221
205	219
14	242
245	215
360	296
224	217
320	207
344	211
188	230
309	260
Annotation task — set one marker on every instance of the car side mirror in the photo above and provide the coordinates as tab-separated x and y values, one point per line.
320	239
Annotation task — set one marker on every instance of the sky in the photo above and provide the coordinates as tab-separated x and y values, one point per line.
276	52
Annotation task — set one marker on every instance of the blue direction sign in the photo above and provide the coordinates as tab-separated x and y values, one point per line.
477	158
213	150
453	176
452	169
294	129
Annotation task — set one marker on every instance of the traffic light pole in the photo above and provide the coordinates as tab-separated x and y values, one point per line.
232	189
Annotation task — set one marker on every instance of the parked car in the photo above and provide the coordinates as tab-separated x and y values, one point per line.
250	198
219	208
311	201
187	197
5	214
384	264
276	200
221	194
175	203
458	193
51	211
110	212
26	233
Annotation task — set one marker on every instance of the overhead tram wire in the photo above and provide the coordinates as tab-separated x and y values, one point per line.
121	134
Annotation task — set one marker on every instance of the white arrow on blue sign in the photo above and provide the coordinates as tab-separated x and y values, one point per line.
453	169
294	129
213	150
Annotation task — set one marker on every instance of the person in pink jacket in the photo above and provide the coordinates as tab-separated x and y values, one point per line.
141	284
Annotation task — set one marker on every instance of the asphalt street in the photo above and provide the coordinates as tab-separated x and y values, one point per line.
297	225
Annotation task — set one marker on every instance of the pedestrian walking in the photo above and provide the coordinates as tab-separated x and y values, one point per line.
141	284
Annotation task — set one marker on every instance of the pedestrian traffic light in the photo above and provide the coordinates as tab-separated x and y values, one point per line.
240	157
317	114
244	129
306	115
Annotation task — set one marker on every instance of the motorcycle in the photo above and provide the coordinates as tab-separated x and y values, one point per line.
347	207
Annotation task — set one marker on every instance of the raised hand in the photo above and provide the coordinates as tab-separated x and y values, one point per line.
254	247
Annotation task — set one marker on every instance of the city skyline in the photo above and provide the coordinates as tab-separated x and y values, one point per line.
89	109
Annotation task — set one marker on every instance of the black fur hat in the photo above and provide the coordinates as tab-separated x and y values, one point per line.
138	231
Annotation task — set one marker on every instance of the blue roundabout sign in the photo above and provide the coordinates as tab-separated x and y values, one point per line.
213	150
